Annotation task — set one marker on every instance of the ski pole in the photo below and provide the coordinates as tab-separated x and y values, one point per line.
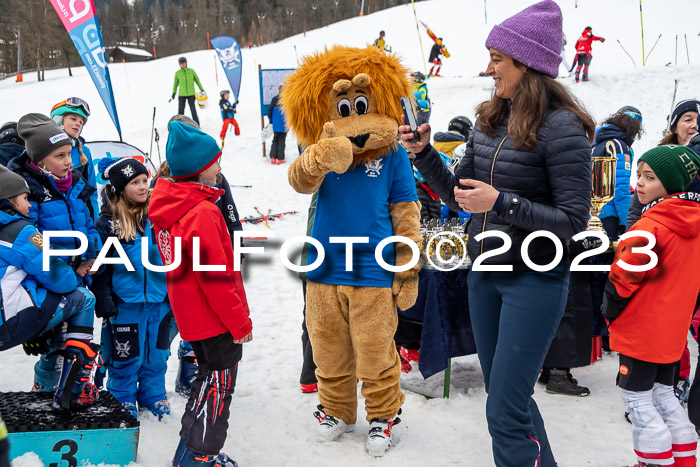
628	54
573	65
295	54
687	54
641	20
153	126
158	145
216	70
652	49
673	103
676	59
420	40
241	186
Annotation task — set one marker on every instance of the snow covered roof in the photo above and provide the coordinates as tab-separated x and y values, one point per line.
134	51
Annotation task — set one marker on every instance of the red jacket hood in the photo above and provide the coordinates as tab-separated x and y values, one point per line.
679	213
170	201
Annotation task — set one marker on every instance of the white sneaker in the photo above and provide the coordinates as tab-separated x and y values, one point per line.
330	428
382	436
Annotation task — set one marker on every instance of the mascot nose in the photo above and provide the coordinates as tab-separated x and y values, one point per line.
359	140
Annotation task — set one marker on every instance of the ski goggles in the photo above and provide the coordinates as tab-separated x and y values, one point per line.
74	103
634	115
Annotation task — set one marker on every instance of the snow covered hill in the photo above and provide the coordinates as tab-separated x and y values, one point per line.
271	421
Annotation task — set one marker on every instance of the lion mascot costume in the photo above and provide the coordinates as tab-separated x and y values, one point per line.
344	105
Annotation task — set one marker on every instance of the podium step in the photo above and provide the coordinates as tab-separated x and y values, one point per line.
102	433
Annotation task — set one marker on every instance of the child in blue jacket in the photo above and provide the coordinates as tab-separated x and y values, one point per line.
228	111
614	139
71	115
59	199
35	301
138	310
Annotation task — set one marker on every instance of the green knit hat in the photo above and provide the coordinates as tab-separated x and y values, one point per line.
676	166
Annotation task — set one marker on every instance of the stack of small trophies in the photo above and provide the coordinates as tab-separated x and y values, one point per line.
443	246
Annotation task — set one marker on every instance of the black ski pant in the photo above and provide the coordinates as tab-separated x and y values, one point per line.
308	367
278	143
205	421
181	106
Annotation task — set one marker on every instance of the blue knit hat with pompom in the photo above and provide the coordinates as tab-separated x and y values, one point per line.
119	171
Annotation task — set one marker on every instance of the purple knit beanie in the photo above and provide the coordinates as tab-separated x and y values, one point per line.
533	37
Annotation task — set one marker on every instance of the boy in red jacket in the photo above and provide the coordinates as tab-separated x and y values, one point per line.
649	311
584	45
210	306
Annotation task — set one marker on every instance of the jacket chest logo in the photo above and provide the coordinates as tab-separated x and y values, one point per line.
372	168
114	226
47	195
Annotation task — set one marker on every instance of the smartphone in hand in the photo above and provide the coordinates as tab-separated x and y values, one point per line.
410	116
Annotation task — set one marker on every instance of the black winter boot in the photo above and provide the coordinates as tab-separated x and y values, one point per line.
561	382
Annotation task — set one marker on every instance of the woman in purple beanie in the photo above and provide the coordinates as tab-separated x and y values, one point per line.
526	169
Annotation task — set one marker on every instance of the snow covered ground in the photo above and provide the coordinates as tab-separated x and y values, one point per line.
271	421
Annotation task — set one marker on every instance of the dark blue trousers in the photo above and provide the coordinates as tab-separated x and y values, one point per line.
514	317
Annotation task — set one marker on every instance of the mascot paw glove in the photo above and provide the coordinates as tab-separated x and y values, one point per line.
335	152
405	290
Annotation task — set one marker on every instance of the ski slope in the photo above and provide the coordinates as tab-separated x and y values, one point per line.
271	422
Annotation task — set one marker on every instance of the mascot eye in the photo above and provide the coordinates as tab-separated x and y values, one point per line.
344	108
361	105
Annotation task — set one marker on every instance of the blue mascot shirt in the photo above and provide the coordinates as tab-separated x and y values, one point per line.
356	204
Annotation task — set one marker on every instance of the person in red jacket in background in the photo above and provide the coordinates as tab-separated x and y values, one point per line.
650	309
584	45
210	306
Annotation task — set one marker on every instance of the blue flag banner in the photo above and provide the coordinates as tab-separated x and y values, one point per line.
229	53
80	20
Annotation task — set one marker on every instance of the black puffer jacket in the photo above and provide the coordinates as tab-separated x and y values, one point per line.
547	187
429	208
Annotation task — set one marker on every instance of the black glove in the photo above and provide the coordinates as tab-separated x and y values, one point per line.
105	309
588	243
37	345
172	97
613	305
591	243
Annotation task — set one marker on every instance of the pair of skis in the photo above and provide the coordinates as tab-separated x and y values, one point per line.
434	37
266	218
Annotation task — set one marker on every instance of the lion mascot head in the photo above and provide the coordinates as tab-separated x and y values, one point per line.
357	90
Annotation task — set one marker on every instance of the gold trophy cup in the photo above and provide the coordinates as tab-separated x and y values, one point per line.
603	174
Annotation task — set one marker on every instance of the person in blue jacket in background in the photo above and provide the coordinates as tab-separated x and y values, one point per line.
59	198
279	126
71	116
137	308
614	138
36	301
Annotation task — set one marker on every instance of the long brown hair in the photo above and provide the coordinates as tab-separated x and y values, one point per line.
629	125
537	94
670	137
127	217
